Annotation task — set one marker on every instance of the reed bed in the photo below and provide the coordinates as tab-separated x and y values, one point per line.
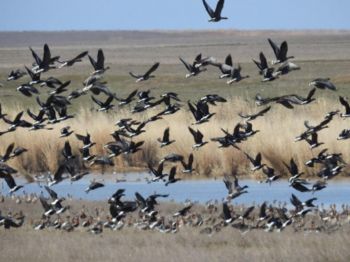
275	140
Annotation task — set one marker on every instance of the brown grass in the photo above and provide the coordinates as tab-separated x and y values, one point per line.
275	140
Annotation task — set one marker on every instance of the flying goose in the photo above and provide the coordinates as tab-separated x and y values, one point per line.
346	105
293	170
183	212
8	152
198	138
200	112
48	209
256	162
344	134
296	99
27	90
171	177
99	64
233	188
44	64
313	142
318	159
165	141
127	100
193	69
86	140
299	185
146	75
323	83
300	205
18	151
188	166
67	151
262	64
10	181
225	67
213	99
65	131
172	157
228	218
93	185
17	122
15	74
58	175
55	200
158	173
61	88
104	106
318	185
215	16
254	116
270	173
280	52
72	61
236	75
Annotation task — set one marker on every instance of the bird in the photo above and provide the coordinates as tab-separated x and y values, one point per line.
279	51
344	134
8	152
86	140
99	64
67	151
188	166
44	64
346	105
299	205
200	112
236	75
256	115
313	142
93	185
15	74
128	99
158	173
172	157
256	162
299	186
146	75
198	138
262	64
193	69
228	218
65	131
72	61
323	83
10	181
171	178
233	188
104	106
225	67
215	16
27	90
270	173
165	141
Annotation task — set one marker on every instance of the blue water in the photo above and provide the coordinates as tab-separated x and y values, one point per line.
337	192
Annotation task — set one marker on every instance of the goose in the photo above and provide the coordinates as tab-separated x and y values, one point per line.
104	106
86	140
183	212
256	162
262	212
313	142
280	52
256	115
102	161
48	209
318	159
10	181
35	77
236	75
171	177
234	189
225	67
146	75
296	99
228	218
93	185
213	99
346	105
44	64
58	175
198	138
323	83
319	127
293	170
158	173
188	166
67	151
262	64
299	185
8	152
72	61
77	176
51	82
65	131
200	112
54	196
172	157
344	134
193	69
300	205
246	213
27	90
99	64
15	74
9	222
318	185
61	88
37	118
17	122
270	74
128	99
165	141
215	16
18	151
286	68
270	173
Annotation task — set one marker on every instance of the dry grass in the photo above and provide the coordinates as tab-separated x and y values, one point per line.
275	140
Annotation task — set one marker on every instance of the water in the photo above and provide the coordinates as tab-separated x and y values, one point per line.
337	192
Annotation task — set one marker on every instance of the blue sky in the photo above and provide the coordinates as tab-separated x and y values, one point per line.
20	15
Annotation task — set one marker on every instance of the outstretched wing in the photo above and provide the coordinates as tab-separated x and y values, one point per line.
209	9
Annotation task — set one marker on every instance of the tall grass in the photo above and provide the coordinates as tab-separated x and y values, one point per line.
278	128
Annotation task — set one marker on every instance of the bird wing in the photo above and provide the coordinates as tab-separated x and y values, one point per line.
97	101
10	181
219	7
283	51
311	94
134	75
345	104
166	134
209	9
93	62
152	69
187	65
228	60
9	151
263	61
18	117
100	59
52	193
274	47
46	55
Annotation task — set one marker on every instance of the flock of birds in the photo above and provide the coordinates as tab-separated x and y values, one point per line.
54	109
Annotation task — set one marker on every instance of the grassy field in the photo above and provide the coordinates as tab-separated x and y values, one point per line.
319	53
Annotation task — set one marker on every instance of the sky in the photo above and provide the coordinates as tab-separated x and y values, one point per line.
52	15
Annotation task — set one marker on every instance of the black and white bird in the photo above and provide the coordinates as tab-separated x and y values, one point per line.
72	61
323	83
192	69
346	105
104	106
165	140
146	75
198	138
256	115
188	167
93	185
99	64
86	140
215	16
171	178
10	181
313	142
280	52
256	162
65	131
